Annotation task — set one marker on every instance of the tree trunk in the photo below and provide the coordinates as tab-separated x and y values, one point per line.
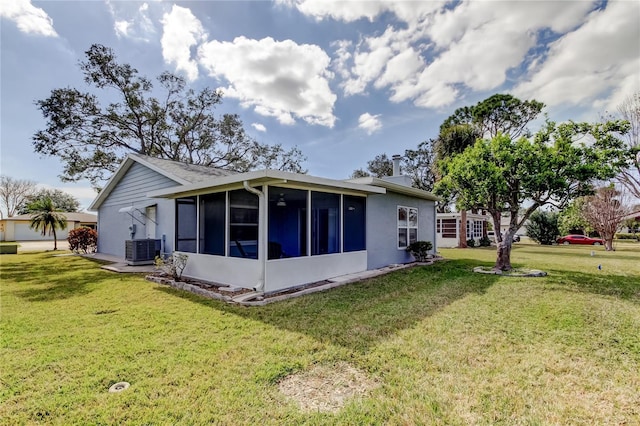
462	239
503	259
55	238
608	244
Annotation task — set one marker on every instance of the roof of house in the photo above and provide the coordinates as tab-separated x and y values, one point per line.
71	217
634	215
261	177
451	215
181	173
190	173
192	179
394	187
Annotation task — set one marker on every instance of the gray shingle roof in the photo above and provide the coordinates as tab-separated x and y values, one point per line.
181	173
189	172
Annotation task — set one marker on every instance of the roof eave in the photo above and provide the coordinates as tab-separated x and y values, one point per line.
122	169
263	177
394	187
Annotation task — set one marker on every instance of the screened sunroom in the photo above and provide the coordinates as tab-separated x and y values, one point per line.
271	230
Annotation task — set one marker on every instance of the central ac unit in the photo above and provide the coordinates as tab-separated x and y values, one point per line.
141	252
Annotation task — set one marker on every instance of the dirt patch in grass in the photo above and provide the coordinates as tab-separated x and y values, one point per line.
326	387
515	272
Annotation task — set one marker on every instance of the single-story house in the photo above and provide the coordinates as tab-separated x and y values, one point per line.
17	228
634	217
505	222
268	230
448	227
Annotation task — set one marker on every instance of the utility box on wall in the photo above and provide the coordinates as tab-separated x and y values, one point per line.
141	252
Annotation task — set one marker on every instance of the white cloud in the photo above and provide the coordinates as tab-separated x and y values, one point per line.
181	31
353	10
259	127
28	18
122	28
400	68
369	123
340	10
280	79
437	51
340	64
131	21
367	66
437	96
598	62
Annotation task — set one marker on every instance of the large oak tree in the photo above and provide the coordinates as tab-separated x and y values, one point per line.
171	121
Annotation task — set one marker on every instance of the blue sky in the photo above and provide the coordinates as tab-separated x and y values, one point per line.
343	81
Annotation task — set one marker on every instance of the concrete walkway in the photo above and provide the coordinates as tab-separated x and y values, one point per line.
24	246
114	263
118	264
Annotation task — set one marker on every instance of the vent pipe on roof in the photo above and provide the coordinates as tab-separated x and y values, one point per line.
396	165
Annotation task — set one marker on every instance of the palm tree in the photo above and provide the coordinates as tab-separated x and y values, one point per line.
46	218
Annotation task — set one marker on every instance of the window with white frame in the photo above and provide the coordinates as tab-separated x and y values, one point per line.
407	226
474	229
477	229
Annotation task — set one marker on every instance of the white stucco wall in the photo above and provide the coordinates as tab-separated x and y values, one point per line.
284	273
382	227
279	274
233	271
113	226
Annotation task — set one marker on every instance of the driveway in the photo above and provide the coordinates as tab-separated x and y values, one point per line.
41	245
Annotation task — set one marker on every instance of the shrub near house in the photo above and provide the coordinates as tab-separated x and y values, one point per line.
623	236
83	240
420	250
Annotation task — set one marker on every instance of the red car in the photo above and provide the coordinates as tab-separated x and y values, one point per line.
580	239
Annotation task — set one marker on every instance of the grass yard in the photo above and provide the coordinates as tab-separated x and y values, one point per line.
440	345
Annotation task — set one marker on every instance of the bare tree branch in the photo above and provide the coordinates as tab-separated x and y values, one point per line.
14	193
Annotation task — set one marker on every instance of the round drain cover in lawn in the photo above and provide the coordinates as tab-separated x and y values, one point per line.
118	387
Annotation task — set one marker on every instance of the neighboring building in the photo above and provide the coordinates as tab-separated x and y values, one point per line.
18	228
636	222
505	221
266	229
448	227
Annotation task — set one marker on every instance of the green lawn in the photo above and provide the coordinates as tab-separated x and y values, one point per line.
444	345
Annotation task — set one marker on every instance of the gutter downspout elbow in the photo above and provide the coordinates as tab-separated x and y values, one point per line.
259	287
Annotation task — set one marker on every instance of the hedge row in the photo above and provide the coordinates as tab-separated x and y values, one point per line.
621	236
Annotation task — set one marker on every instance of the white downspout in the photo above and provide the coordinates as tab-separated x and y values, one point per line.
261	235
435	228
